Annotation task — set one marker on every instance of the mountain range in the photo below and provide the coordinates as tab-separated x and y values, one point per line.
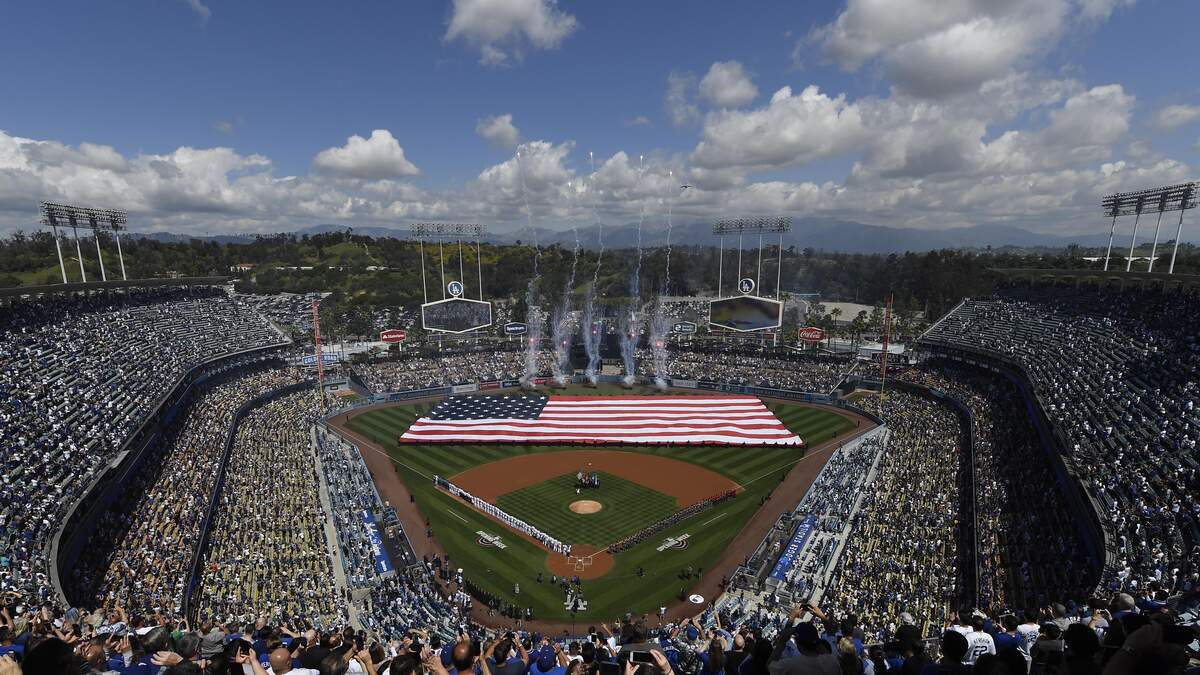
819	234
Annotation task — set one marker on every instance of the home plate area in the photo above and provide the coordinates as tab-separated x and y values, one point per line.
585	562
579	563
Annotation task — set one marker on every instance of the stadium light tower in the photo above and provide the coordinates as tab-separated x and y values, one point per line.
760	226
456	314
96	220
1179	198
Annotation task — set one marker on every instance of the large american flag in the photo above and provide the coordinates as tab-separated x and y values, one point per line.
722	419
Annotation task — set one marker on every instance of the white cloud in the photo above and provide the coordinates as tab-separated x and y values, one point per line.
1101	9
379	156
224	126
728	85
679	100
200	9
498	130
1175	116
791	129
639	121
1026	151
937	48
502	29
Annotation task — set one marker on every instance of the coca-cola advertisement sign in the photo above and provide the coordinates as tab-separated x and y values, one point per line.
812	334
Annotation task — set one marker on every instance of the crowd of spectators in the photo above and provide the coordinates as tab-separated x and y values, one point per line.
268	552
834	493
902	553
417	372
1027	540
1118	374
750	366
350	491
78	374
413	600
1121	635
139	554
269	600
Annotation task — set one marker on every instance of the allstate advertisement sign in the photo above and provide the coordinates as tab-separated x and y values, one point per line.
684	328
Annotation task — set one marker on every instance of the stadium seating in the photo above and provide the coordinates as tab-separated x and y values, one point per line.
733	365
288	562
350	490
139	555
79	374
1116	374
269	553
752	366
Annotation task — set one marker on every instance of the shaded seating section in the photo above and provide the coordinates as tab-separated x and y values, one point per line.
1118	373
78	374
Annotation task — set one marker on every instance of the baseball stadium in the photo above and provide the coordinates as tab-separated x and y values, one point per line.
548	337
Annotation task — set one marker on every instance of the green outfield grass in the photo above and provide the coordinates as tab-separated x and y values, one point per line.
627	508
621	590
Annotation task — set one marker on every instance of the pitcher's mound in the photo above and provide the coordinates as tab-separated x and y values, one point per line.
585	506
585	562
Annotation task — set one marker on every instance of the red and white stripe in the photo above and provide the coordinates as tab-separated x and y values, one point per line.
725	419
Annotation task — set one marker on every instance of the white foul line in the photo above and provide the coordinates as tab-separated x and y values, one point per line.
717	517
451	512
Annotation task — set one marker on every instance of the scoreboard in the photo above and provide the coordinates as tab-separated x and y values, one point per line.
456	315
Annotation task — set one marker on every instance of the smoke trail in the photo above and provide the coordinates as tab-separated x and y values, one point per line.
632	320
533	313
658	322
658	344
560	324
591	333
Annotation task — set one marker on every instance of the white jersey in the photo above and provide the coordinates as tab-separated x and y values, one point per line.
1029	635
978	644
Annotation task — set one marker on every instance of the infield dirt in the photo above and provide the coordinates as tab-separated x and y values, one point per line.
687	483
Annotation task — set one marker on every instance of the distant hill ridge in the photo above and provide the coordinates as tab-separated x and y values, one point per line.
820	234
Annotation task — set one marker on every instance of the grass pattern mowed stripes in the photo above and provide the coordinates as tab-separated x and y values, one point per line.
621	590
627	508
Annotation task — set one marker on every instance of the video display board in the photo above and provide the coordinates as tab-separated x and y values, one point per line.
746	313
456	315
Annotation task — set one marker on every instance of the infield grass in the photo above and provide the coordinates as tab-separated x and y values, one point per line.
626	508
621	590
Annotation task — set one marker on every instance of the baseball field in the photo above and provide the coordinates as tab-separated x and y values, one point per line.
638	486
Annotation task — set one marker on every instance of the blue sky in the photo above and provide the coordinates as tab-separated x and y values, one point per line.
213	116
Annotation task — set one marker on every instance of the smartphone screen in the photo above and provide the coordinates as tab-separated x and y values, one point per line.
641	657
